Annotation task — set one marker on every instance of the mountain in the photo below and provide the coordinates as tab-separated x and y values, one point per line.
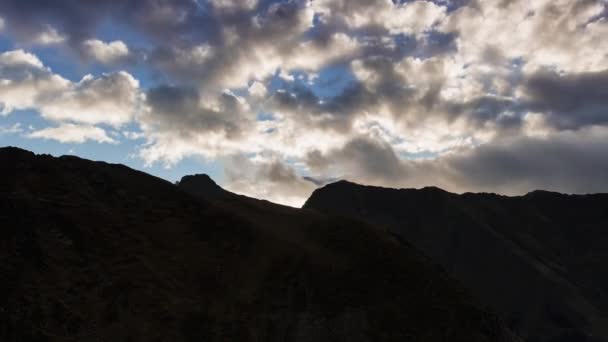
540	260
204	187
92	251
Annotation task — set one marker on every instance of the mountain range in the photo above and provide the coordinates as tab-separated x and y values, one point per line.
92	251
539	260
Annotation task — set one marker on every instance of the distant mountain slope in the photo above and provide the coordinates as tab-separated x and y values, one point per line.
98	252
540	259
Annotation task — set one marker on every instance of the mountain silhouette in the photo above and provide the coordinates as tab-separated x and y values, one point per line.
540	260
93	251
204	187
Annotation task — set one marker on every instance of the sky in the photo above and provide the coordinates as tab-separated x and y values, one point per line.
273	98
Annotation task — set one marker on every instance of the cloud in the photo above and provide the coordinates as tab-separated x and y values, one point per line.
70	133
28	20
269	179
412	17
570	100
25	81
14	129
544	34
565	162
27	84
257	89
234	4
107	53
179	121
110	98
49	36
183	110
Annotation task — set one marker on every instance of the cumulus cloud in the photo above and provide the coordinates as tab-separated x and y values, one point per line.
49	36
412	17
179	121
107	53
25	83
257	89
24	80
235	4
109	98
71	133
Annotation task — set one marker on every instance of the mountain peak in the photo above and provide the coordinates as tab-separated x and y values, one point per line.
201	178
15	152
203	186
543	193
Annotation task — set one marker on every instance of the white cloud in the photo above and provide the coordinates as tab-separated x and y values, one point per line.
110	98
25	83
49	36
412	17
235	4
257	89
70	133
106	53
544	33
133	135
267	178
14	129
17	58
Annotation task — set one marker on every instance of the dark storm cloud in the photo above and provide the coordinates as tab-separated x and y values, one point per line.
571	101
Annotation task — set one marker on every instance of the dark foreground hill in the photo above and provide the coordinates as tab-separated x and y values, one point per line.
541	260
91	251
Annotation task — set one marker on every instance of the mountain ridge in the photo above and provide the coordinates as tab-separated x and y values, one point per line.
96	251
538	237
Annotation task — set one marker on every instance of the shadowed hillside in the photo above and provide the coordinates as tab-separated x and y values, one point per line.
538	259
98	252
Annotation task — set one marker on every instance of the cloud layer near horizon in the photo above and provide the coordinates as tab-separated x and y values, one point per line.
501	96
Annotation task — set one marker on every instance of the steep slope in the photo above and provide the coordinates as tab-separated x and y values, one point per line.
98	252
539	259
